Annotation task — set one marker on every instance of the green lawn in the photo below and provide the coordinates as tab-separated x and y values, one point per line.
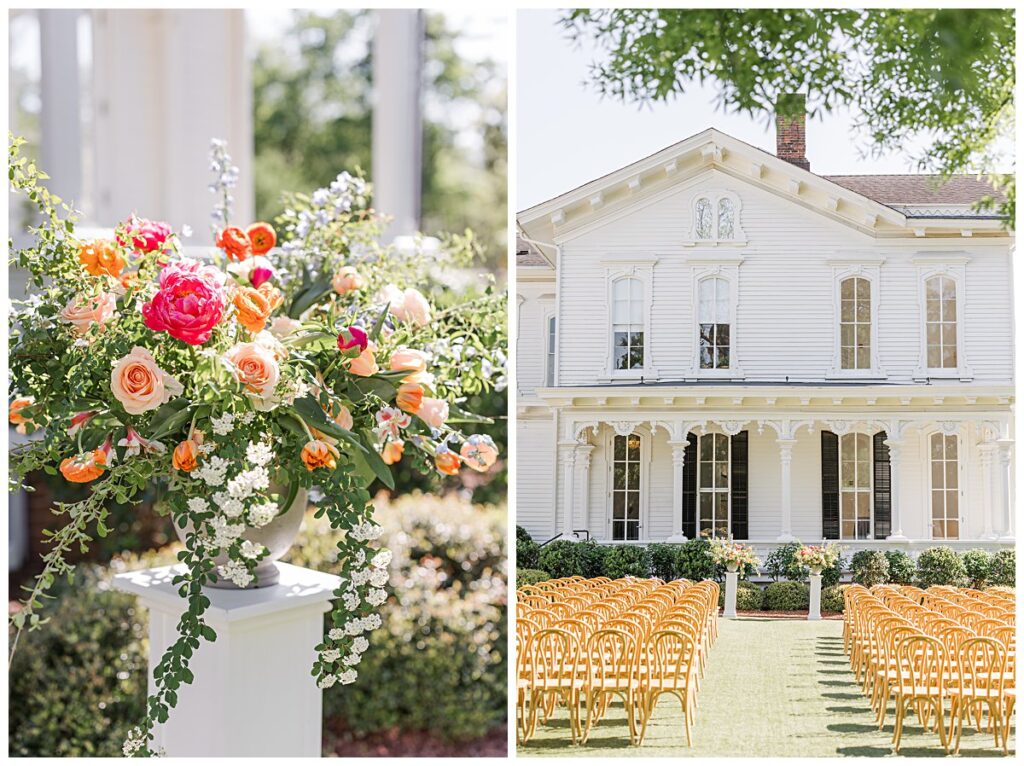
773	688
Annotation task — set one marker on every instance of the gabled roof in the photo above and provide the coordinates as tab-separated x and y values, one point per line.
920	190
528	255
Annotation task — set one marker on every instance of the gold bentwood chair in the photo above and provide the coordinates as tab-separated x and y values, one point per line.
611	672
669	667
921	664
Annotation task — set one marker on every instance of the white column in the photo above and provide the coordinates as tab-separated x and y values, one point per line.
60	150
397	118
1003	471
895	470
987	453
568	458
253	694
786	498
814	611
583	471
678	458
730	594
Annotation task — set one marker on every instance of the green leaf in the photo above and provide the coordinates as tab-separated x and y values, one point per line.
312	413
379	324
307	297
458	415
293	492
377	464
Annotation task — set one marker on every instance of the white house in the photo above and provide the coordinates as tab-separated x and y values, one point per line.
716	340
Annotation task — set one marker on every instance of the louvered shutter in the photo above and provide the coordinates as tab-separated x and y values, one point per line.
829	485
738	486
883	486
690	487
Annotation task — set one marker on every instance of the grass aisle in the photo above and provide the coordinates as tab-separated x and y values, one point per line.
773	688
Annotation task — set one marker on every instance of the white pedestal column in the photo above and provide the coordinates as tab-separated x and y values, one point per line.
987	453
253	694
786	499
814	612
1007	534
895	470
583	469
730	594
678	457
568	487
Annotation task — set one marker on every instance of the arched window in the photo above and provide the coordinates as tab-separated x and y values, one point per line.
940	322
626	487
855	324
703	224
714	323
945	484
855	489
713	485
726	218
628	324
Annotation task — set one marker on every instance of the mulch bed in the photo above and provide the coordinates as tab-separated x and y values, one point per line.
788	615
338	741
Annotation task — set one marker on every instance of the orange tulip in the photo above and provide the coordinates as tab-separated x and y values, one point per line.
83	468
101	257
235	243
392	452
410	397
447	463
186	455
255	305
262	236
319	454
15	415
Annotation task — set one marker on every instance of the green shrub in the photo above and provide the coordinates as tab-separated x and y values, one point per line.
693	561
527	551
591	557
627	561
940	566
977	567
779	564
787	596
530	577
832	598
869	568
830	577
664	560
1004	568
749	597
901	567
522	534
559	559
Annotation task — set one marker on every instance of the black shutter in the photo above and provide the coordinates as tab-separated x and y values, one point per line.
829	486
738	486
883	487
690	487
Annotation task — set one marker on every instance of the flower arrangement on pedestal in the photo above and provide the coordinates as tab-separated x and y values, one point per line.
237	384
817	558
733	556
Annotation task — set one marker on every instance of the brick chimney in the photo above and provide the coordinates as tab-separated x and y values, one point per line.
791	129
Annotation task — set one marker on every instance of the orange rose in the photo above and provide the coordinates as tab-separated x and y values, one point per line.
15	415
392	452
235	243
84	313
83	468
100	257
346	280
319	454
186	455
365	364
262	237
255	305
410	397
447	462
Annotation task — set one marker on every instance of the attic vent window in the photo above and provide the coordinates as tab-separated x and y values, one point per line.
716	218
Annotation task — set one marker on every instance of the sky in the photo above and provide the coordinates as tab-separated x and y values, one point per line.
567	135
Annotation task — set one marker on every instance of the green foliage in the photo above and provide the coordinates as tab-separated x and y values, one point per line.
694	561
780	563
1004	568
869	568
902	568
830	577
664	560
940	566
787	596
749	597
977	567
627	561
942	74
832	598
566	558
530	577
527	552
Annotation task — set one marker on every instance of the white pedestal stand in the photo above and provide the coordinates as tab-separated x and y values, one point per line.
730	594
253	694
814	612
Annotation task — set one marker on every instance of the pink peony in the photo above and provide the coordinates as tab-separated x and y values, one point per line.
357	337
189	303
146	236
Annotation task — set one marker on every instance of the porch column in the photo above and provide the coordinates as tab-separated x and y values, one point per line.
987	452
1003	496
895	470
568	458
583	469
786	501
678	456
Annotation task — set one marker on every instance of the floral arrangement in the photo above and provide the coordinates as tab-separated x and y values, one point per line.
817	557
733	555
233	383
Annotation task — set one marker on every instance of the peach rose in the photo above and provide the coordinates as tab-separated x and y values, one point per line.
392	452
409	397
83	313
365	364
139	384
319	454
433	412
346	280
281	326
255	366
407	306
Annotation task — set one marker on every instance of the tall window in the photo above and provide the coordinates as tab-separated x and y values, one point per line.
549	370
726	218
855	486
702	212
713	321
855	324
628	324
945	487
626	488
713	485
940	322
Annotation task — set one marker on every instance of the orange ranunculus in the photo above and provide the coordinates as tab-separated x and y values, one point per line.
100	257
255	305
235	243
319	454
15	415
447	462
392	452
83	468
129	280
410	397
186	455
479	452
263	238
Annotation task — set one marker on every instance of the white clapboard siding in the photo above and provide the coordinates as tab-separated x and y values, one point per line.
536	303
535	477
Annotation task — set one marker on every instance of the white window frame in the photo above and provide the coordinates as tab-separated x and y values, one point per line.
870	490
953	266
863	266
645	484
639	267
714	196
717	265
728	490
550	350
961	475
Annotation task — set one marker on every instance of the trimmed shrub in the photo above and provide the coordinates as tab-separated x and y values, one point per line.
832	598
530	577
977	567
1003	570
627	561
831	576
591	557
527	551
901	567
693	561
749	596
779	564
664	560
787	596
940	566
559	559
869	568
522	535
